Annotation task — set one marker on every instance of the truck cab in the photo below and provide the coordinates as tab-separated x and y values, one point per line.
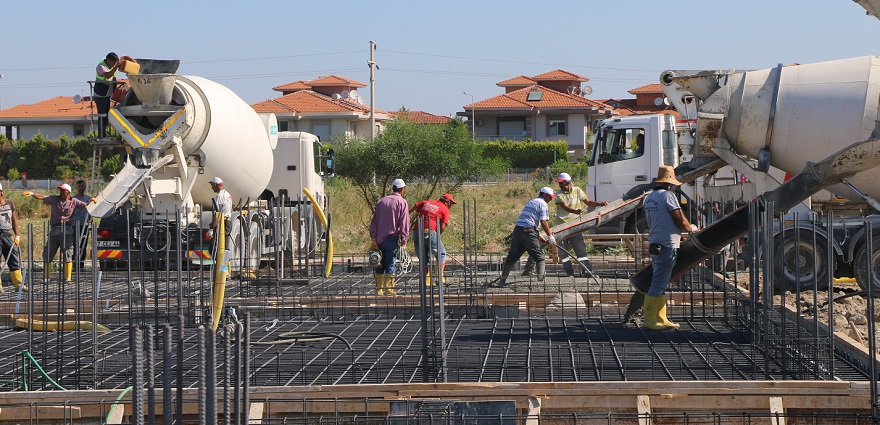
627	152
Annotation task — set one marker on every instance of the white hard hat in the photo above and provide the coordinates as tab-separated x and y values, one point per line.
64	186
216	180
1	186
398	184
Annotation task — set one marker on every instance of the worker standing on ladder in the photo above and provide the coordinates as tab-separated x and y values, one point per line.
666	221
105	76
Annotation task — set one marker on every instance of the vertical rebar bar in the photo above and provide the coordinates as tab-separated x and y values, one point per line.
227	372
211	376
870	313
200	359
151	375
236	379
137	370
247	367
167	416
179	406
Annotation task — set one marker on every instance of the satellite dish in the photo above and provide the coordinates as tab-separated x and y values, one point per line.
658	101
77	99
587	90
361	100
353	94
336	96
344	94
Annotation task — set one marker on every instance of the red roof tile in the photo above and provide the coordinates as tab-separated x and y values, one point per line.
56	107
516	81
551	99
420	117
296	85
334	80
625	107
647	89
559	75
309	101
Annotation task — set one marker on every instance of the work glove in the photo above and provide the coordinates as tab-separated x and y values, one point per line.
374	246
552	240
27	193
17	240
93	201
210	234
693	228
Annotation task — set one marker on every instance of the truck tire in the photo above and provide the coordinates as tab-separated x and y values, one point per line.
794	261
864	266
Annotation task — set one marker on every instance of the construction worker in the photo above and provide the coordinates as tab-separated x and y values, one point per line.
430	212
61	228
665	224
389	231
571	201
81	221
222	203
9	239
105	76
525	235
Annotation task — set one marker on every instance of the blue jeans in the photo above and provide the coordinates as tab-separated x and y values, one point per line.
662	264
438	250
389	249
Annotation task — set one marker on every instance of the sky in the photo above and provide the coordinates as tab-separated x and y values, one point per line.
428	53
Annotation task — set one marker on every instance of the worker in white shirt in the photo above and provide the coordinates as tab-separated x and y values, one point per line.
222	203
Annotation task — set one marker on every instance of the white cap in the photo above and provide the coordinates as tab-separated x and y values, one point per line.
547	191
1	186
216	180
64	186
398	184
563	177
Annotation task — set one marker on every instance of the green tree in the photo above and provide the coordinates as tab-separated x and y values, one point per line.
431	158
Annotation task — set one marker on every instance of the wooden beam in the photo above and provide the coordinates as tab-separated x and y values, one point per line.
37	413
643	404
533	411
255	413
777	411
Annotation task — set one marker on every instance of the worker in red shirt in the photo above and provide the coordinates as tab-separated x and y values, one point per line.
430	213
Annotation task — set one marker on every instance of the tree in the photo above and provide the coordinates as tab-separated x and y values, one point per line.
431	158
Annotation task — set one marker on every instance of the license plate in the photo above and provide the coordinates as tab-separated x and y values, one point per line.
108	244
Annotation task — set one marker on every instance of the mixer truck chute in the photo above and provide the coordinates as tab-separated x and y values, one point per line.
179	132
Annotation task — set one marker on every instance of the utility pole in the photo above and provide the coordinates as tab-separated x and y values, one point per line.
473	118
373	68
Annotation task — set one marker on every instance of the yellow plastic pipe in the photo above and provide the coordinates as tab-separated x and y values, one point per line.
70	325
220	270
320	213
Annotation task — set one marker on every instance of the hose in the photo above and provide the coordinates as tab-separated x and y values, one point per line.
27	355
116	404
284	338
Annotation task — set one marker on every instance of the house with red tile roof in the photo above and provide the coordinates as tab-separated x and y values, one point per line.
649	100
420	117
548	106
54	117
327	107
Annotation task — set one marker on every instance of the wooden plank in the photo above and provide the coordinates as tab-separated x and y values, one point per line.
776	408
533	411
34	413
643	404
255	413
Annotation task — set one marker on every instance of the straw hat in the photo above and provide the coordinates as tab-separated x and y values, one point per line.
666	174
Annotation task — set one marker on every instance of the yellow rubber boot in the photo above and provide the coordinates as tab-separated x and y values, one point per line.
443	272
47	271
428	279
15	275
661	314
651	310
389	284
68	271
380	284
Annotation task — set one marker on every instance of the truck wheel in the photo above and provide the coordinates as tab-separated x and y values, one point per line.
864	266
795	258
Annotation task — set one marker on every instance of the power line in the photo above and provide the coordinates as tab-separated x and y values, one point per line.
521	62
487	74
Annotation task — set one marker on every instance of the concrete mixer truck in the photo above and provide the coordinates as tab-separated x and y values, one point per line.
763	123
178	133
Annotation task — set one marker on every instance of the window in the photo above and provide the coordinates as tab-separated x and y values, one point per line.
288	125
535	96
556	127
670	148
619	144
321	129
282	126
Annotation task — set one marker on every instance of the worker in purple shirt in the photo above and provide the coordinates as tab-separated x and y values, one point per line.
389	232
